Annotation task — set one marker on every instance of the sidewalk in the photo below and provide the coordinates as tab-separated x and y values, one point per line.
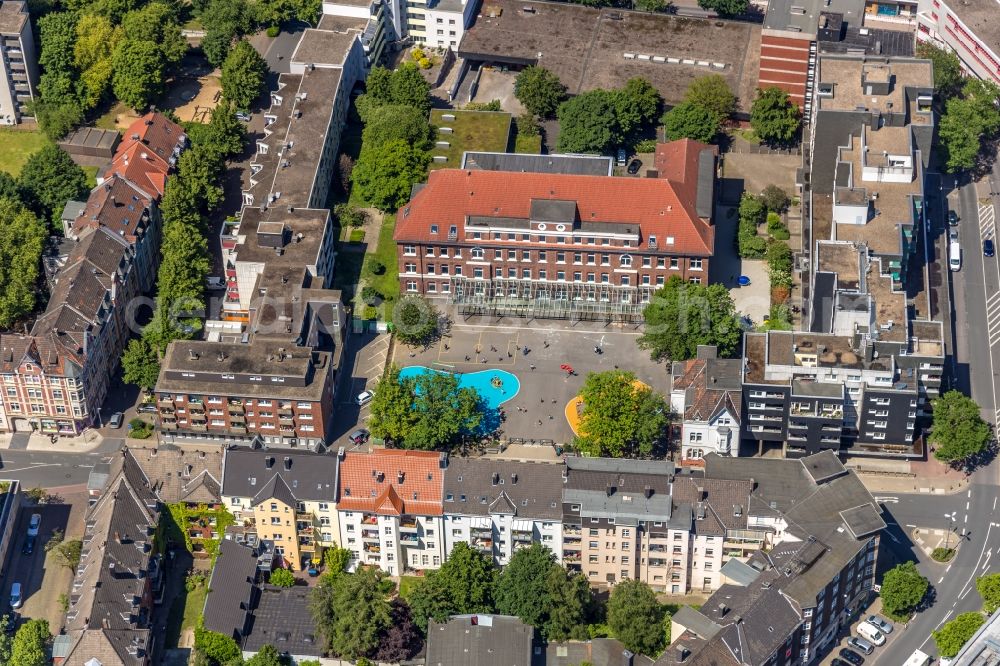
84	443
916	476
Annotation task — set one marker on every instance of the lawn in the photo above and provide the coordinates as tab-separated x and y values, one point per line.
407	584
386	284
347	273
184	613
486	131
117	110
17	146
357	235
91	172
528	144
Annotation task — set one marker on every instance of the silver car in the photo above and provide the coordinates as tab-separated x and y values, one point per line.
882	624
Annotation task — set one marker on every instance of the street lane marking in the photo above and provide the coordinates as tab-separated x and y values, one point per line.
940	580
966	506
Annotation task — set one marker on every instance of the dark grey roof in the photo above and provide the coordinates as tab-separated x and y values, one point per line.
479	640
553	210
597	651
619	488
739	573
283	619
620	465
824	285
831	130
582	165
73	210
534	489
231	590
705	199
863	520
874	41
275	488
312	476
695	621
806	387
823	466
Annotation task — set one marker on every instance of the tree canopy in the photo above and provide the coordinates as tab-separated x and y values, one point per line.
48	180
726	8
396	122
404	86
636	618
969	121
401	640
689	120
953	635
243	74
268	655
464	584
682	316
598	120
426	412
351	612
385	174
22	239
988	587
217	648
415	320
539	91
958	432
137	77
621	416
140	364
282	578
948	74
712	92
773	116
903	588
30	645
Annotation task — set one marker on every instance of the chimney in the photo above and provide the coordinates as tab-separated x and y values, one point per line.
513	479
399	477
268	462
723	609
627	658
648	491
341	453
682	654
118	537
610	490
288	463
496	478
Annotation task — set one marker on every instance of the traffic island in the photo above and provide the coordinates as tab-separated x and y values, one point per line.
940	545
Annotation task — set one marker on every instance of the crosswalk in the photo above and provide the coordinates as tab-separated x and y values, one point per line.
988	229
987	221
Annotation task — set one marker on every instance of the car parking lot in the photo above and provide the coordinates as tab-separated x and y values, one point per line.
834	656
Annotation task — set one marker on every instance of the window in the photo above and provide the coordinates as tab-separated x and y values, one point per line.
409	250
526	273
497	254
647	262
626	260
477	253
561	276
577	257
560	257
696	264
542	255
410	268
411	286
525	255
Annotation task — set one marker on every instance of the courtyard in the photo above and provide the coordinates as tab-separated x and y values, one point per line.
535	409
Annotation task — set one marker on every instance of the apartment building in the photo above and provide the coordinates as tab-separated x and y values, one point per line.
19	76
558	245
56	378
149	149
10	502
787	604
707	392
502	506
390	509
966	27
437	23
109	618
289	498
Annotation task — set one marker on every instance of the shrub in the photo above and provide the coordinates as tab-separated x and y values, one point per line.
273	31
370	295
492	105
527	125
139	429
418	54
773	221
424	63
942	554
376	267
369	313
349	216
282	578
774	198
781	233
646	146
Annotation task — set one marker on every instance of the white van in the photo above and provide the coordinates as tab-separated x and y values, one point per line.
918	658
870	631
954	256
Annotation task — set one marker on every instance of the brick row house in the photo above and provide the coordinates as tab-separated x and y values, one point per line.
609	519
559	244
55	378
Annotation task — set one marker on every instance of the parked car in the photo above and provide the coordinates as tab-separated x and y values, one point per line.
359	436
988	249
34	524
29	546
870	632
860	644
852	656
881	623
15	596
116	420
364	398
621	157
953	235
147	408
634	166
243	115
839	662
952	218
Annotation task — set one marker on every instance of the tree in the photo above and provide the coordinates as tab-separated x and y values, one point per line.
8	187
243	73
779	264
96	40
621	416
268	655
636	617
726	8
156	23
751	214
682	316
415	320
960	133
688	120
200	168
401	640
57	36
636	103
409	88
69	553
219	648
464	584
712	92
958	432
336	560
351	612
948	74
282	578
378	86
385	175
56	120
903	588
30	645
6	639
988	587
48	180
140	365
226	20
774	198
952	636
570	606
138	73
226	134
22	239
392	416
773	116
522	588
349	216
392	122
539	91
587	123
652	5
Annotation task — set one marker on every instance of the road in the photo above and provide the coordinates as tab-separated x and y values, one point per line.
36	469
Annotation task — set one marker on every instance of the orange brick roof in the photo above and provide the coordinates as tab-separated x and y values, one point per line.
371	482
154	131
144	168
656	205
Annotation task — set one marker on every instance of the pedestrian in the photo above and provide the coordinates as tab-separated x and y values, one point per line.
550	417
509	355
553	401
492	348
542	400
467	359
545	343
532	366
446	347
539	422
499	359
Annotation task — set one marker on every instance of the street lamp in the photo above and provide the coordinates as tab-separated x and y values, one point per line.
951	526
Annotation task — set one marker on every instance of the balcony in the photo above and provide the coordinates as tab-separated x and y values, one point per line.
285	410
409	539
238	429
571	531
164	401
372	548
571	555
408	525
197	409
370	520
198	427
236	409
167	410
168	425
521	536
237	418
304	516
